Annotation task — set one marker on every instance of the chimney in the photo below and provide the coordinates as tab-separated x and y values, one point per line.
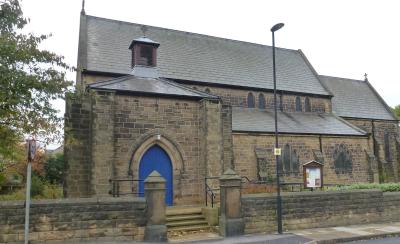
144	57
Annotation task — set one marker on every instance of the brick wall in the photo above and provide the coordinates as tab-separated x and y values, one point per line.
319	209
245	159
75	220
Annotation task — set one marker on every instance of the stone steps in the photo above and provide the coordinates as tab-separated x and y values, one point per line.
185	220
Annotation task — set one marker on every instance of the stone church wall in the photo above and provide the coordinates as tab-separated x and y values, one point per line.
389	166
108	133
307	147
77	149
138	119
238	98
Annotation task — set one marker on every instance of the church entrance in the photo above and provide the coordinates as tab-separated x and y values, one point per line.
157	159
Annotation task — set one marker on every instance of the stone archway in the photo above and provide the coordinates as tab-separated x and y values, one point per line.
172	149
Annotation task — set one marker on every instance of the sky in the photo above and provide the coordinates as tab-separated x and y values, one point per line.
342	38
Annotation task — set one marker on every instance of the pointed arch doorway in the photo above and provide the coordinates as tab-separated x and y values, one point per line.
155	158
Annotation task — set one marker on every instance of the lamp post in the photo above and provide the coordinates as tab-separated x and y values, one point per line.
276	150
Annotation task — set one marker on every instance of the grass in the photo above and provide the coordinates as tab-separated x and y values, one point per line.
49	192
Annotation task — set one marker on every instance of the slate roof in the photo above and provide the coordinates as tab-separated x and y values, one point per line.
356	98
130	83
195	57
255	120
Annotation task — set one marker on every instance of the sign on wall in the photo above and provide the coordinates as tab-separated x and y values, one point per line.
312	174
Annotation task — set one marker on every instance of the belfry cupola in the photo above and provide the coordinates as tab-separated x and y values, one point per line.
144	57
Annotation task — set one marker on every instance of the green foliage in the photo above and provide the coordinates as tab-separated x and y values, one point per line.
54	169
30	79
386	187
49	192
396	111
37	186
2	179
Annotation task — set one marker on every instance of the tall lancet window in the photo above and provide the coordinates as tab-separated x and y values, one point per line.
261	101
307	105
250	100
298	104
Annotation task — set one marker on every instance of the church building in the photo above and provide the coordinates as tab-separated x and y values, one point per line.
192	106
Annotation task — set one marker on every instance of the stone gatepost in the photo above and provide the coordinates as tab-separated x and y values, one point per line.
231	221
154	190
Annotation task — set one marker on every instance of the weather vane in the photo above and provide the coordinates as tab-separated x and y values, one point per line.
366	77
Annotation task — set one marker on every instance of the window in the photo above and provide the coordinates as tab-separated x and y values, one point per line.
307	105
298	104
342	159
250	100
289	160
261	101
386	139
145	55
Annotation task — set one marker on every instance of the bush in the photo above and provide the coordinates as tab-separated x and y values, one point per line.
54	169
2	180
37	186
385	187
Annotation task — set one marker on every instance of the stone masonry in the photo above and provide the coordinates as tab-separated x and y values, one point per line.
75	220
246	162
319	209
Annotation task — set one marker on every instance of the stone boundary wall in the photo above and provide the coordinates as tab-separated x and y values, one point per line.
319	209
74	220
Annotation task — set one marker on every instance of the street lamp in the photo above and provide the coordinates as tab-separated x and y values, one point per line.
276	150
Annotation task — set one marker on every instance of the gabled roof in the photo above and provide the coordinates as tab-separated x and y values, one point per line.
195	57
357	99
134	84
255	120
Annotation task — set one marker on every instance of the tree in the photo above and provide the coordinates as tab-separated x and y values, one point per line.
396	111
30	79
54	169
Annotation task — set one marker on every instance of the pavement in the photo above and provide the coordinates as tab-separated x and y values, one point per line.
330	235
343	234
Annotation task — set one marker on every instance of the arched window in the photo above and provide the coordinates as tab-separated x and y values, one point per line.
307	105
261	101
342	159
286	158
298	104
289	160
386	140
207	90
250	100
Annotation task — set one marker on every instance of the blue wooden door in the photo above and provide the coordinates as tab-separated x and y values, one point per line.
157	159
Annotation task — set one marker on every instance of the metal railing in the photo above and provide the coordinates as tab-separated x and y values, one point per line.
116	187
209	191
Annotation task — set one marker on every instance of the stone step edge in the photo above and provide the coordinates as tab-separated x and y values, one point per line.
187	223
188	228
184	217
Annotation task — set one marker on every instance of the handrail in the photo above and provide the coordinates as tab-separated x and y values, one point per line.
115	190
209	192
